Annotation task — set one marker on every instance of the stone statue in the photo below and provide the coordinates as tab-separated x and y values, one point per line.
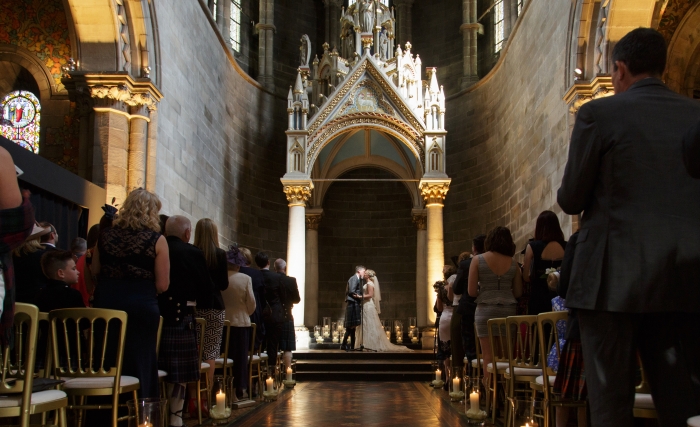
367	16
384	45
348	42
305	51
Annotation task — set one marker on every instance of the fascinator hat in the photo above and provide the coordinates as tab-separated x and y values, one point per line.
235	257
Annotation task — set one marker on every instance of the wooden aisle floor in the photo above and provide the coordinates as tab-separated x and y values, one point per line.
405	404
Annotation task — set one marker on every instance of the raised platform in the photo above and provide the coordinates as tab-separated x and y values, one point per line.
338	365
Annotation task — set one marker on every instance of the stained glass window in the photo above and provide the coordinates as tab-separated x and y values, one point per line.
235	30
21	112
384	2
498	29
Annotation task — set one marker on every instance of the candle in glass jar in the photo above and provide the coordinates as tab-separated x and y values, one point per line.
289	374
474	400
220	401
438	375
455	384
268	385
146	424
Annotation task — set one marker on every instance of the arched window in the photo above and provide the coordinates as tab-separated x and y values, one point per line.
235	28
21	112
384	2
498	27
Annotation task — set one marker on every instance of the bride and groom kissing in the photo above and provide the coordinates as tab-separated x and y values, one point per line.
362	298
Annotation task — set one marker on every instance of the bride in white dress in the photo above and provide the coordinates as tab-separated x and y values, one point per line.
374	335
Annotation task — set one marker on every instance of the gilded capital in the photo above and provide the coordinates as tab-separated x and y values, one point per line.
420	220
298	195
434	192
313	221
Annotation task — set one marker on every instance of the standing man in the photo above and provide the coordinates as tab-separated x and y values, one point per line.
353	299
259	292
636	268
178	354
288	342
274	316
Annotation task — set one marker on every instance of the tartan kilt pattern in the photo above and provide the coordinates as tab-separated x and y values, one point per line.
178	354
570	382
352	315
288	339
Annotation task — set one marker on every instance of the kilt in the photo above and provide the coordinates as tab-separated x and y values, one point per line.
288	339
213	333
352	315
178	354
570	382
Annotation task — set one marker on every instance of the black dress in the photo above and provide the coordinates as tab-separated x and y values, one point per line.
540	295
127	282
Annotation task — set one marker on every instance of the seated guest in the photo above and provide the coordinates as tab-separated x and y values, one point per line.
78	247
259	291
288	341
178	354
59	268
240	304
29	278
546	251
495	280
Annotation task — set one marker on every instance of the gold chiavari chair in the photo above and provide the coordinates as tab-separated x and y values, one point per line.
17	381
161	373
643	402
548	321
203	367
84	364
253	361
497	369
479	361
523	356
223	362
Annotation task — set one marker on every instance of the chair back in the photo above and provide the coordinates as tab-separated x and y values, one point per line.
43	342
226	339
523	342
159	335
548	321
498	340
643	386
479	356
251	351
201	326
100	354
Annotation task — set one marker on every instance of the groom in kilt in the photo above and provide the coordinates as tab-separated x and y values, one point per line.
353	299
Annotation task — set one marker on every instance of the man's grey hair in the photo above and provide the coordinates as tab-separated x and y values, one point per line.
280	265
359	267
177	225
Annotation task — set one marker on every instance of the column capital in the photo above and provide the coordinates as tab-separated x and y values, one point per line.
582	92
297	192
420	218
434	191
313	218
119	87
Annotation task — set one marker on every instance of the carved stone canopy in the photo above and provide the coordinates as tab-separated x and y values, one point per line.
582	92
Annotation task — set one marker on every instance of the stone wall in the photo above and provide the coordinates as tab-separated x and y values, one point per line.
367	223
221	139
508	135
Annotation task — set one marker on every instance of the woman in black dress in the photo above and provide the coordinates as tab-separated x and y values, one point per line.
546	251
132	266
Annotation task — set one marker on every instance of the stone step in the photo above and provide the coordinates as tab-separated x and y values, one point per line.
364	365
364	376
362	355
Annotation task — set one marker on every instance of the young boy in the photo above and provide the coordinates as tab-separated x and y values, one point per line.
59	268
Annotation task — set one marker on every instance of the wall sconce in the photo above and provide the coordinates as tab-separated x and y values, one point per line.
578	74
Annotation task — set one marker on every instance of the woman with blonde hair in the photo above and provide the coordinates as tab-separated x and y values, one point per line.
132	266
210	304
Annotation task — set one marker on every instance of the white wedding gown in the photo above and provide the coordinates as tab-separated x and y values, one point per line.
374	335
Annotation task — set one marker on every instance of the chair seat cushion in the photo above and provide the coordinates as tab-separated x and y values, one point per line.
475	363
525	372
694	422
264	356
643	401
98	382
256	358
540	380
204	366
220	362
499	366
162	374
39	397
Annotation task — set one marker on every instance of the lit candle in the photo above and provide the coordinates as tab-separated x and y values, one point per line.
414	339
268	385
146	424
388	334
455	384
474	401
289	374
220	401
438	375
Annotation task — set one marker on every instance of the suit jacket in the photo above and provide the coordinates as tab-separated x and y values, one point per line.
273	294
259	292
638	249
291	295
461	287
354	287
188	271
691	151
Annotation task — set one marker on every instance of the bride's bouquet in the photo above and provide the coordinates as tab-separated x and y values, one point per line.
439	286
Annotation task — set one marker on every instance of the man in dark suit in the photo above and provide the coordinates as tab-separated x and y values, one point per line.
259	291
291	297
637	260
353	299
49	240
274	319
178	354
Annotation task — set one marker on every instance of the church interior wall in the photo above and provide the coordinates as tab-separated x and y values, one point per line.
367	223
220	138
508	135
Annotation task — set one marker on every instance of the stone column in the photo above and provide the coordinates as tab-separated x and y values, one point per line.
434	192
298	193
138	148
313	220
152	150
470	29
266	30
403	21
111	153
422	288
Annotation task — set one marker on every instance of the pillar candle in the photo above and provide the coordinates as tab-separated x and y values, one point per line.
474	400
220	401
268	385
455	384
289	374
438	374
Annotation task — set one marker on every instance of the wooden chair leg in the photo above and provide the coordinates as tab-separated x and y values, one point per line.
115	409
199	399
81	411
494	399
